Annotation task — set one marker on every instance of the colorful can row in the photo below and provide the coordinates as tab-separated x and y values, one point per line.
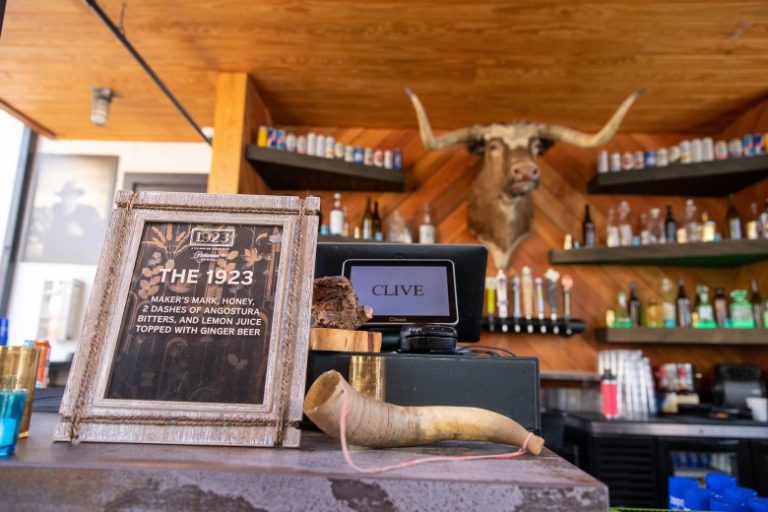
326	146
687	151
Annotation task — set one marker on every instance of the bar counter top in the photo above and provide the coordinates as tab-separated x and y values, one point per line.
43	475
669	425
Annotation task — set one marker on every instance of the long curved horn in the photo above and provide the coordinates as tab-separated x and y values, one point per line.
380	425
584	140
460	136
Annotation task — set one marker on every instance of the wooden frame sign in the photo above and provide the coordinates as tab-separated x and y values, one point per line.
198	323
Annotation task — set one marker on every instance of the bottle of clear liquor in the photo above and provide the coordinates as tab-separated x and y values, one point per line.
366	227
426	228
337	216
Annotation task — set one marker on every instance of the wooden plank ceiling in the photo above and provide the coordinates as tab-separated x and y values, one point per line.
344	63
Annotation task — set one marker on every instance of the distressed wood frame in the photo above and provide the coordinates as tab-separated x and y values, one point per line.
86	415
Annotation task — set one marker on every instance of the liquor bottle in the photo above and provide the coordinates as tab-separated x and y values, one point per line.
625	227
622	313
642	228
587	229
426	228
708	228
667	305
378	234
337	216
670	226
753	227
732	220
633	305
656	228
345	228
720	303
764	221
366	227
757	305
653	314
741	311
692	227
683	305
705	315
612	230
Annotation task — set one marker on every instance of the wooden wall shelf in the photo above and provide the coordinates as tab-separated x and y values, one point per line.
718	178
684	335
282	170
726	253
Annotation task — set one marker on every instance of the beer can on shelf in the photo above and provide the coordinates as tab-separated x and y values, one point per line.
639	158
378	158
368	156
602	162
615	162
338	151
387	158
685	151
301	144
330	144
357	155
280	136
697	151
320	146
735	148
271	138
747	148
397	159
707	149
721	150
261	139
650	159
662	157
758	143
312	144
674	154
349	153
627	161
290	143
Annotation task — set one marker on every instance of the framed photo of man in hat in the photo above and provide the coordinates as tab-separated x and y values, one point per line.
68	208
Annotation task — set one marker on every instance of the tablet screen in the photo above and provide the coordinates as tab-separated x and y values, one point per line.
405	291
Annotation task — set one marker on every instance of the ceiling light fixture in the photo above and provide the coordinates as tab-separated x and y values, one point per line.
102	97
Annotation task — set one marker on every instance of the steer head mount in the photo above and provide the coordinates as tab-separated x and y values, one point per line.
500	209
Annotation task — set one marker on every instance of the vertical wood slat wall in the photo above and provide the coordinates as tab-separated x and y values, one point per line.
443	178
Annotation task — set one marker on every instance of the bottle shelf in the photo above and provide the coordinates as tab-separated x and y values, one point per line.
714	179
546	326
282	170
726	253
717	336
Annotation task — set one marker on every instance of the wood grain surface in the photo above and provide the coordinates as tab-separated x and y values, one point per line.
442	179
345	63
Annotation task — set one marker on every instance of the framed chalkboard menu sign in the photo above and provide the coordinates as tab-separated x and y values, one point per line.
197	327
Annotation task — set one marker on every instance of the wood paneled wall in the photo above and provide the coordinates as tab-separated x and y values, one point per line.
443	178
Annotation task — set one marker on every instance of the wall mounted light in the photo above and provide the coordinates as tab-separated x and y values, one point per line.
102	97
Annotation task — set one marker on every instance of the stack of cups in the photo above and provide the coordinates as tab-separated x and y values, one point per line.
721	493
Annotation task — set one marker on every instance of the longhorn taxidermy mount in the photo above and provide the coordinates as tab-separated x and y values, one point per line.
500	210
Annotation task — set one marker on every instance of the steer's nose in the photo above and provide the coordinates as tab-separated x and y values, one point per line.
525	171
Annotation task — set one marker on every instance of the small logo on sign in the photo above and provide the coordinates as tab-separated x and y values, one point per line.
213	237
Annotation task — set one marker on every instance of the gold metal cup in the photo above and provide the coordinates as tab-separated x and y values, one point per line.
367	375
18	370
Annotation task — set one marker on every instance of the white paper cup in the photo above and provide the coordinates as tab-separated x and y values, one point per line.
759	408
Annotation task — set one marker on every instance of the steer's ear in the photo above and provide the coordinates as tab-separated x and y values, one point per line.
476	147
544	145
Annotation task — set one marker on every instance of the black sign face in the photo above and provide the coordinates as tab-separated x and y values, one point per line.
198	314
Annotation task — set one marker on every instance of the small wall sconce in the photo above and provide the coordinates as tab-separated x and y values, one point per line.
102	97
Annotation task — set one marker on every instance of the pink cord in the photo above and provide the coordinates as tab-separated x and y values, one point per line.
424	460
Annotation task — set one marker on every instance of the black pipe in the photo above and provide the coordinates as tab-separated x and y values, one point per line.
128	46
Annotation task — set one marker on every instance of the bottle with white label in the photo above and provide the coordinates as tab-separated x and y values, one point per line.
337	216
426	228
